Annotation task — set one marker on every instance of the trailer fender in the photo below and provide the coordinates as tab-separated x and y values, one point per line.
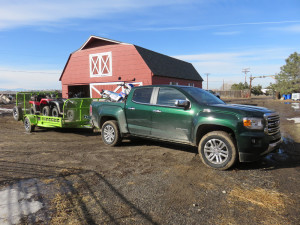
32	119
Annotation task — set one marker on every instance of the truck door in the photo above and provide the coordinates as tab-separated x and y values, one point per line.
168	121
139	111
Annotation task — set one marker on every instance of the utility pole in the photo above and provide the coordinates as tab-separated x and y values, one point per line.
207	80
246	70
250	85
223	84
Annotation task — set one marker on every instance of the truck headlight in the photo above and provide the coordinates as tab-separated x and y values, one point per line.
253	123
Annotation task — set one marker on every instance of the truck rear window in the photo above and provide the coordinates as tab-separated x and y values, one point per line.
142	95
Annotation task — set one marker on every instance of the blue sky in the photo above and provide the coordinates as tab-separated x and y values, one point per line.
220	37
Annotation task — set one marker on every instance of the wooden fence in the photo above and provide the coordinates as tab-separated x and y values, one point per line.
235	94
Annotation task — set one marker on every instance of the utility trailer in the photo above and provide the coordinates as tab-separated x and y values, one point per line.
75	113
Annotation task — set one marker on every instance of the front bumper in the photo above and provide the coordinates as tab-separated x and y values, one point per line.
250	156
272	147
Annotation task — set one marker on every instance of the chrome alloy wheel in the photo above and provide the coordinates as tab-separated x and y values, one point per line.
216	151
27	125
109	133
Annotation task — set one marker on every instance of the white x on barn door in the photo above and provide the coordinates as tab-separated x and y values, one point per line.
100	64
95	65
114	86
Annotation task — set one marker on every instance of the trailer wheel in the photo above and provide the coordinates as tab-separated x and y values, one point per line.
110	133
71	115
28	126
17	113
46	111
55	112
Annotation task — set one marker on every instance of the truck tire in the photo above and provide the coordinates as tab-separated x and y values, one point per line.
55	112
27	124
46	111
110	133
217	150
17	113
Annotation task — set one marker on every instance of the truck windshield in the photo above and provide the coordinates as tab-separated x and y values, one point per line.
202	96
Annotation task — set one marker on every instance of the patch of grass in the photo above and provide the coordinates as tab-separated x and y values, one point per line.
68	210
48	180
269	199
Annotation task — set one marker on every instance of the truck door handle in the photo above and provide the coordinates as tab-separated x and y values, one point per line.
156	111
131	108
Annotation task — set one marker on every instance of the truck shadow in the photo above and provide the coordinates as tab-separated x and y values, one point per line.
135	141
288	156
87	132
67	195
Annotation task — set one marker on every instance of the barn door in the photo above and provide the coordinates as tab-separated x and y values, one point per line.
96	88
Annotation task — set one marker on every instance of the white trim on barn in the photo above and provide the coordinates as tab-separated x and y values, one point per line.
100	64
103	39
118	86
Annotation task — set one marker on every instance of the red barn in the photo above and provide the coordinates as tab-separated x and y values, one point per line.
102	63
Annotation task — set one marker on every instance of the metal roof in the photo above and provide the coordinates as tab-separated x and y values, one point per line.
166	66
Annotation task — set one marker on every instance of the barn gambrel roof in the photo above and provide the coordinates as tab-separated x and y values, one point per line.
159	64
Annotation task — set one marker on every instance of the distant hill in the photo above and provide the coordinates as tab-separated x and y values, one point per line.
16	89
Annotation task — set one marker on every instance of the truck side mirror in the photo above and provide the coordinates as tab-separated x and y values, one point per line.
182	103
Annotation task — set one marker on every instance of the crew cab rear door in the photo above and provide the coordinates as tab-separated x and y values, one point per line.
138	111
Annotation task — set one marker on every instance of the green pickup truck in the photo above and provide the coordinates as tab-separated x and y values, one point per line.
224	133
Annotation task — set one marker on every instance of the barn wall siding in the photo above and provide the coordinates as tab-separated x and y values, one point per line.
166	80
126	63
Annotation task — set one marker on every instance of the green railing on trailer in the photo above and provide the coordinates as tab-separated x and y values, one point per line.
75	115
23	98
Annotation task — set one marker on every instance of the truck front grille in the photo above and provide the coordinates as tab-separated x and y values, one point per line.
272	123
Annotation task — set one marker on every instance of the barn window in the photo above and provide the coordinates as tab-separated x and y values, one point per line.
100	64
173	83
191	84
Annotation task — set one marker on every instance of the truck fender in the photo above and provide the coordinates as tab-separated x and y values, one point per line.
205	124
113	112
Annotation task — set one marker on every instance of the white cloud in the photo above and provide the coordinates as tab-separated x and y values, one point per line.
37	12
204	27
11	78
229	65
292	29
241	56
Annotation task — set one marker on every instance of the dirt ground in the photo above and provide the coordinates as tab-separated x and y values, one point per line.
73	178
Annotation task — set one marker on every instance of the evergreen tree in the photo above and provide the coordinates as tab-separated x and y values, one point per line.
256	90
239	86
288	80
